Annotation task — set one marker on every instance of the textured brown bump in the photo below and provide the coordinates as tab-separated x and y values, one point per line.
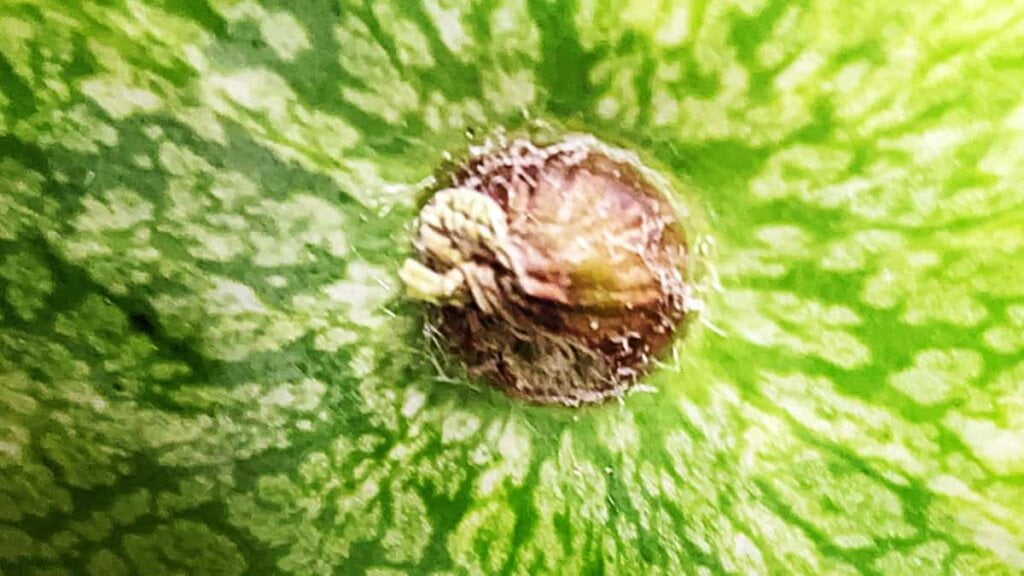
588	284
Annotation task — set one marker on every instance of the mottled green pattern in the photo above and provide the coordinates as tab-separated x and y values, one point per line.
206	369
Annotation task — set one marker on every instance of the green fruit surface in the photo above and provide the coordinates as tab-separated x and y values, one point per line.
206	365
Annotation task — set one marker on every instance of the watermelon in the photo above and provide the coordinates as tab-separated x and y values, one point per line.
208	365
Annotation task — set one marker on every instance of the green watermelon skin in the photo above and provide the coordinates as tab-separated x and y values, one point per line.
207	367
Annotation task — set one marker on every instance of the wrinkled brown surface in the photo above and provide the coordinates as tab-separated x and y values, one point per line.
595	287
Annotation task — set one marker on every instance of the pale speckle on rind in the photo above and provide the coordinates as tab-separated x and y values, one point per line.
265	105
356	300
514	32
443	115
409	531
303	221
991	422
515	448
928	558
204	122
938	375
852	509
675	29
803	67
447	18
879	437
115	209
855	251
119	99
386	94
482	542
411	45
15	543
283	33
1007	338
508	93
788	321
458	426
29	283
18	36
618	100
415	400
105	563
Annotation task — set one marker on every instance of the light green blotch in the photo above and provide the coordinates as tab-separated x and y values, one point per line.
283	33
618	432
191	492
1008	338
94	528
119	98
482	542
409	532
358	301
992	423
251	418
386	95
254	89
446	16
507	92
29	284
231	318
106	563
513	32
130	507
15	544
343	485
19	187
446	472
789	545
204	122
893	445
77	128
572	490
779	246
924	559
514	450
18	396
83	463
412	47
184	547
851	509
459	426
212	226
29	487
619	99
789	321
808	173
929	287
300	222
857	251
666	22
266	106
784	40
116	209
16	45
443	115
938	375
